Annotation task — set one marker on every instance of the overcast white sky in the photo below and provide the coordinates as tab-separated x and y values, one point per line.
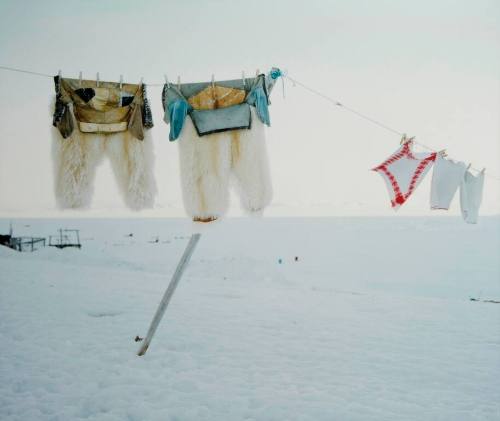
429	68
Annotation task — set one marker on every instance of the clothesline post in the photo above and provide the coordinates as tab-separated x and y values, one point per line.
181	266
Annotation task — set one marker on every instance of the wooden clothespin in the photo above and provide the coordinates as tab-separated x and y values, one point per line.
442	153
214	94
166	81
468	166
483	170
97	79
121	82
406	139
243	78
80	79
141	81
178	82
59	74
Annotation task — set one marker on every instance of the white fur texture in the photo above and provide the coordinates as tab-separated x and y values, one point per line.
75	163
207	162
132	161
205	168
76	160
250	166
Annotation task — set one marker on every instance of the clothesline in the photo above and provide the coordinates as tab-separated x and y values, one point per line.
365	117
295	82
351	110
13	69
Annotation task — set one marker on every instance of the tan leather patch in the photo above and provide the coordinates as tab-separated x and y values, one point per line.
114	115
212	98
102	128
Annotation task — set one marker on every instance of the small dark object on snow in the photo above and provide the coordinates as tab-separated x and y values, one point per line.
138	338
296	258
5	240
485	301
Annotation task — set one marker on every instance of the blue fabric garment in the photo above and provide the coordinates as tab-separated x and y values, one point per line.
258	98
176	114
234	117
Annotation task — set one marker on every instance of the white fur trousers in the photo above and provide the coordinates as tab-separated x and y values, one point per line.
207	164
76	160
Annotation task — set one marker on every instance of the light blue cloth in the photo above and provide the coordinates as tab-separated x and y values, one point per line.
258	98
235	117
175	114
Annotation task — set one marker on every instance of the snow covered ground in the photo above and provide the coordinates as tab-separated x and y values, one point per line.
374	322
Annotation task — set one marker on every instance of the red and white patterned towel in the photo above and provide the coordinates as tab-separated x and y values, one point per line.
403	171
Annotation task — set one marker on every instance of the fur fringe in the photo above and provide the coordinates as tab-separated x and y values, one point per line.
205	167
76	160
132	161
207	163
250	166
75	163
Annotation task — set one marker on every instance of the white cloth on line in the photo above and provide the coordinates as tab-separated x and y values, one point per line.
403	171
471	195
447	176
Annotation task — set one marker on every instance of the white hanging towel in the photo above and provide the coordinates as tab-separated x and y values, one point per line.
471	195
447	176
403	171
